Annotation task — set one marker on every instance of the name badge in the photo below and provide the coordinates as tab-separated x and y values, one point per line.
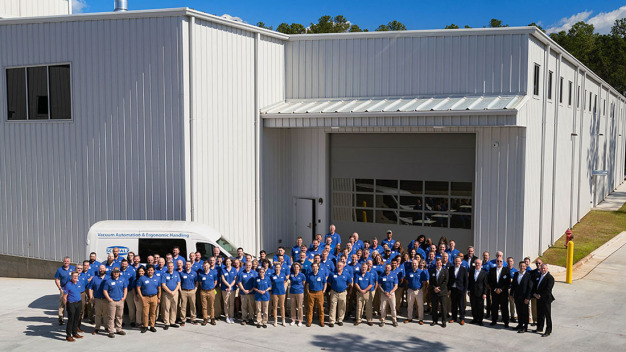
147	282
275	277
245	276
410	275
335	276
360	279
167	277
384	279
204	279
184	276
319	279
112	283
258	280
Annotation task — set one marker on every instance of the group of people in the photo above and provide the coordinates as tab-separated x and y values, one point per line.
362	278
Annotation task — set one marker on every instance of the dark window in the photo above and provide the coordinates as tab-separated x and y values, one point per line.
550	85
16	93
561	91
536	80
578	98
569	94
205	249
39	93
590	100
151	246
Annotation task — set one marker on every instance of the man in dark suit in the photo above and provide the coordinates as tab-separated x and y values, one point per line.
543	293
470	258
477	291
458	286
438	288
521	291
499	282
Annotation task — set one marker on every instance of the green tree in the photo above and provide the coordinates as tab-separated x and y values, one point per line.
536	25
262	25
495	23
391	26
467	26
294	28
451	26
328	24
355	28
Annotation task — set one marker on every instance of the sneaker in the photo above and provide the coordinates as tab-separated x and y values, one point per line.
264	326
291	324
298	324
274	323
382	323
111	335
121	332
395	324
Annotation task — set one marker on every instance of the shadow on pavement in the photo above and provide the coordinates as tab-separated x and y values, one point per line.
47	325
344	341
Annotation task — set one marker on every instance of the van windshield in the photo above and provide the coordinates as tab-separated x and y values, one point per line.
228	247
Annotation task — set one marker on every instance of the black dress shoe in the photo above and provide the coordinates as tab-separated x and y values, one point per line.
433	323
331	325
493	323
166	327
340	323
60	321
153	329
443	325
521	331
506	326
545	335
143	330
174	325
132	325
538	331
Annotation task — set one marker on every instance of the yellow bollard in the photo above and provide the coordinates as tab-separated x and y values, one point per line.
570	262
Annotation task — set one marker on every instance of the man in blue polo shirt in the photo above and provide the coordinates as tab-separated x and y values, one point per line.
176	255
339	284
376	247
114	291
96	288
110	264
281	251
116	256
335	236
295	250
388	283
84	277
245	281
94	264
363	284
72	299
389	241
61	278
188	286
170	284
315	287
127	273
416	278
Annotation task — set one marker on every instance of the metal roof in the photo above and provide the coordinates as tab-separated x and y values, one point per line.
391	105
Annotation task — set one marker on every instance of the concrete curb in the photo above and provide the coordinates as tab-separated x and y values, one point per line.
588	263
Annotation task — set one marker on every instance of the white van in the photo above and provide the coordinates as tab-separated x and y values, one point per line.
147	237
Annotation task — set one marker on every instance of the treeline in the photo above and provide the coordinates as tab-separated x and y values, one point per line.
604	54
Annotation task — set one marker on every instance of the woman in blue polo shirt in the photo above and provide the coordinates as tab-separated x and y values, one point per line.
149	290
229	285
141	271
296	293
261	286
279	288
72	300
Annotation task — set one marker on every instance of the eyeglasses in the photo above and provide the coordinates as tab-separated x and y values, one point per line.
499	261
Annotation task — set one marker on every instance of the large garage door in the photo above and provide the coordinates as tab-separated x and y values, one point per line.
410	183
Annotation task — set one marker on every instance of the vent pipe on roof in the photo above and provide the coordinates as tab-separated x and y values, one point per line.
121	5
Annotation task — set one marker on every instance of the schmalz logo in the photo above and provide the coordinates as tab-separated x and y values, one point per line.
123	250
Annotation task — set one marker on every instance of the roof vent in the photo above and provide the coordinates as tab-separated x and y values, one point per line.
121	5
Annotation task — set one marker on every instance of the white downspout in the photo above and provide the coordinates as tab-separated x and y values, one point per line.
543	143
257	147
189	187
555	143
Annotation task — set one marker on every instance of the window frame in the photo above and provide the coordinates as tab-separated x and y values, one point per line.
569	97
536	77
561	90
48	120
550	81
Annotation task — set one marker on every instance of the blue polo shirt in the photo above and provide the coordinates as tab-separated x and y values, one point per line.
110	267
83	278
330	266
358	245
177	258
119	259
379	269
297	283
278	283
417	278
286	257
316	282
374	279
399	271
73	291
64	275
128	276
304	267
247	279
197	266
387	282
93	267
354	268
364	279
378	249
389	243
170	280
295	252
488	265
207	280
97	285
340	282
188	279
149	286
452	253
115	288
262	284
465	264
229	276
310	254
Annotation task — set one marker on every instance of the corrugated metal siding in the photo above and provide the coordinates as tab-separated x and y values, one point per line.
406	66
271	70
31	8
122	155
223	131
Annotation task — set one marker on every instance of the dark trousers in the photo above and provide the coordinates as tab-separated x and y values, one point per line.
522	313
544	314
500	301
478	308
489	303
458	303
73	318
438	301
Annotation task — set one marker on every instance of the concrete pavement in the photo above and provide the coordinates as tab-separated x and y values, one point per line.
615	200
589	314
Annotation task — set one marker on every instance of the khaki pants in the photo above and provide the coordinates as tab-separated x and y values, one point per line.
387	301
296	306
188	297
218	301
116	311
83	305
262	308
102	313
337	306
208	304
278	301
169	305
229	304
149	310
399	296
364	301
533	309
415	297
376	302
130	302
138	310
511	307
248	307
61	305
315	299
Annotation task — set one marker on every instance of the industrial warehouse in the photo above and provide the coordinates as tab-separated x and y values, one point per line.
497	137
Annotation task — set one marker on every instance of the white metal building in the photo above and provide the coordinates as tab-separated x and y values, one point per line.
487	136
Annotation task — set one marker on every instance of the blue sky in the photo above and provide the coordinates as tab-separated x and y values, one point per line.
415	14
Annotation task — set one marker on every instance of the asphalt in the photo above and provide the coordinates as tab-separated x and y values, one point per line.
589	314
